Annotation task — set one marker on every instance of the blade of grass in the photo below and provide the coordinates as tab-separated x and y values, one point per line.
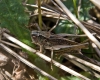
75	8
39	16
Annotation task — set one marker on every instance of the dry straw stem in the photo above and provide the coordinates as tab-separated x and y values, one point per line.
96	3
96	49
44	57
95	67
26	62
78	23
83	67
44	8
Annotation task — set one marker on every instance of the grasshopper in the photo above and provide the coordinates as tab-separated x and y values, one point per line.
55	42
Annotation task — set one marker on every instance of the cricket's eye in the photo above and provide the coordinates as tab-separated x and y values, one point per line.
38	33
34	33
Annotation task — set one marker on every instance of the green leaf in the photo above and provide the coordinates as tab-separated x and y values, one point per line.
13	17
70	78
65	27
43	78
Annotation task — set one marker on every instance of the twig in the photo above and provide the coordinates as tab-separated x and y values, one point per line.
95	67
83	67
57	5
10	44
79	6
43	56
96	49
49	10
77	22
32	5
72	35
55	24
96	3
25	61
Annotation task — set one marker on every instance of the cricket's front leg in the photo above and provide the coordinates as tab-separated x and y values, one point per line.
41	48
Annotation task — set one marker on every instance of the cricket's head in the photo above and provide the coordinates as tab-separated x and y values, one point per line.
35	33
38	36
39	33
